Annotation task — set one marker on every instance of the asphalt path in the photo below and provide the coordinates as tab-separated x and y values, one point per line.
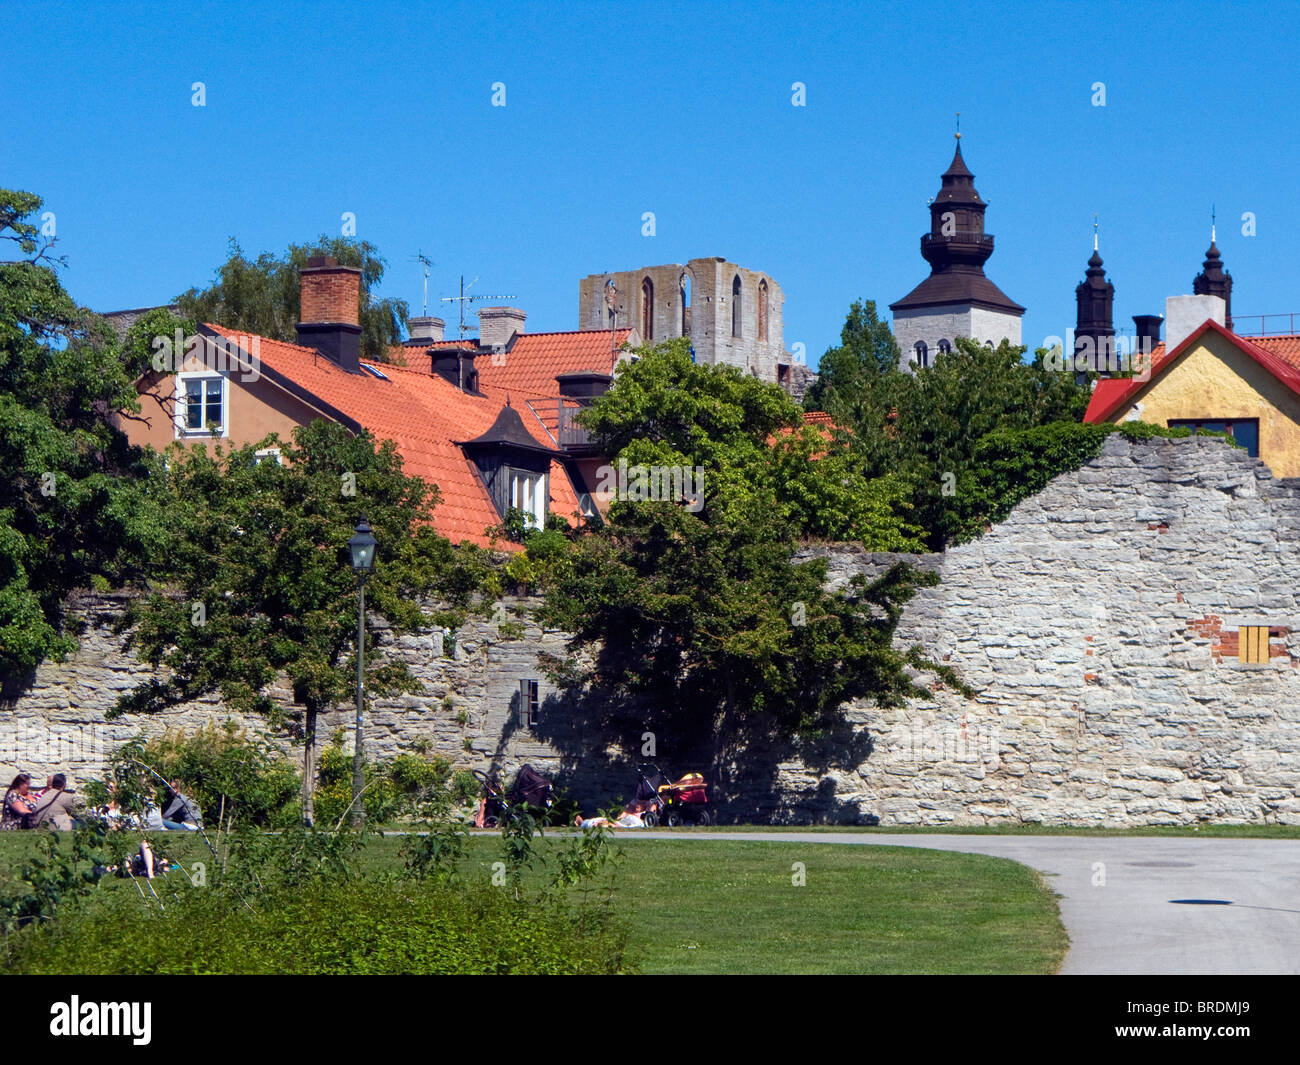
1133	904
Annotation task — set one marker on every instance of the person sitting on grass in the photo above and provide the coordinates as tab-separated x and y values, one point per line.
18	803
179	813
55	807
629	818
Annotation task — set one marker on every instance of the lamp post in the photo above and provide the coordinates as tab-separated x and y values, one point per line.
362	545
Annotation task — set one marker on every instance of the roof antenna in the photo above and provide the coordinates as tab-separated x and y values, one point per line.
426	262
463	299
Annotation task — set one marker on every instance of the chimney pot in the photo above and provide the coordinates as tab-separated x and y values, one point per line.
425	330
496	325
331	311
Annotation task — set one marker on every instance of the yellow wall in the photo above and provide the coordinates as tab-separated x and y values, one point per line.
1214	380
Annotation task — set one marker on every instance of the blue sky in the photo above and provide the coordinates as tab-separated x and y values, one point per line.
683	109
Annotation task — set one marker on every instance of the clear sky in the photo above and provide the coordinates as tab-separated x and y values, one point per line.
682	109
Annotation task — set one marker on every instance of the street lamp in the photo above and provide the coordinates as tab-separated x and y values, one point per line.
362	545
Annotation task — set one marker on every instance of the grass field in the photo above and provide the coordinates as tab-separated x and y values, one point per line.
732	907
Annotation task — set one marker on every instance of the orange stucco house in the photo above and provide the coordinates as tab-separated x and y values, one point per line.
489	421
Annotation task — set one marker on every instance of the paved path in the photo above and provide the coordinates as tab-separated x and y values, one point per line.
1132	924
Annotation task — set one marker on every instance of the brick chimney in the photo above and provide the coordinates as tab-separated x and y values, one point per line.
497	325
425	330
331	301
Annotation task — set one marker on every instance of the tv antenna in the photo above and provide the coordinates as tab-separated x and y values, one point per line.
425	262
464	298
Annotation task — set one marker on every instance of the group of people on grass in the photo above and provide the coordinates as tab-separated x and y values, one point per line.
631	817
57	806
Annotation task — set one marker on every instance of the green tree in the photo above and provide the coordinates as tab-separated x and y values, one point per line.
702	610
259	582
263	295
74	505
867	352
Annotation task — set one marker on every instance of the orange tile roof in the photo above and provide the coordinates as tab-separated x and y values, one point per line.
1274	354
422	414
531	365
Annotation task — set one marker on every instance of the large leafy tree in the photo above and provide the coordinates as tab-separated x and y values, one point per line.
257	582
926	427
262	295
701	614
74	503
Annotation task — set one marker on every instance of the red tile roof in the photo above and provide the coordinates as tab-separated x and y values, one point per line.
532	363
1274	354
422	414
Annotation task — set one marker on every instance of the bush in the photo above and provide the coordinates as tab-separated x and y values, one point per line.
222	769
410	786
330	927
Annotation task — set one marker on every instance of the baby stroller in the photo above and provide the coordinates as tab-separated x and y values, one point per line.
530	791
673	803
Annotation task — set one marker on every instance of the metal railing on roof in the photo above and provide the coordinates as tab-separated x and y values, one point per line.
1240	327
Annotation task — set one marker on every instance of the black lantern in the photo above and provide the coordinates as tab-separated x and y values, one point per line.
362	544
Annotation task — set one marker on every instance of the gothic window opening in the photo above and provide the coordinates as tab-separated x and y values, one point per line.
735	307
648	309
922	353
762	310
686	304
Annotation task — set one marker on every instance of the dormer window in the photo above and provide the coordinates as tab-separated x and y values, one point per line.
528	493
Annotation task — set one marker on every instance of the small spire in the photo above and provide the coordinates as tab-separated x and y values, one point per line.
958	134
1094	233
1212	238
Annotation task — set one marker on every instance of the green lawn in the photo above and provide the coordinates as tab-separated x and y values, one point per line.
731	907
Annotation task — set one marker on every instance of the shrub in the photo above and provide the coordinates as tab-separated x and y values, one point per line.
330	927
223	769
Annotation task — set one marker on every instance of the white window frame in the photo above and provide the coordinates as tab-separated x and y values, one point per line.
528	492
183	432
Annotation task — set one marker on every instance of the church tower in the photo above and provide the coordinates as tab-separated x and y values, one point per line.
956	299
1214	280
1094	330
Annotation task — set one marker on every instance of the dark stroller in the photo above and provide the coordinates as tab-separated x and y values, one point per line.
673	803
531	791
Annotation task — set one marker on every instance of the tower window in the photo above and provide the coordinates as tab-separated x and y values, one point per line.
735	307
648	309
922	353
686	304
762	310
945	347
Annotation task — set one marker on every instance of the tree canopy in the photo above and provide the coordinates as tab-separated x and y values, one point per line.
702	610
257	581
925	427
262	296
74	504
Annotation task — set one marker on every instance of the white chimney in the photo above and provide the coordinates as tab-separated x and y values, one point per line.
425	330
496	325
1186	314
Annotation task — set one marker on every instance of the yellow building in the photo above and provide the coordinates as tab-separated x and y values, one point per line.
1216	380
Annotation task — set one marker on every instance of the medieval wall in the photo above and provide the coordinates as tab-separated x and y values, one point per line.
1098	625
